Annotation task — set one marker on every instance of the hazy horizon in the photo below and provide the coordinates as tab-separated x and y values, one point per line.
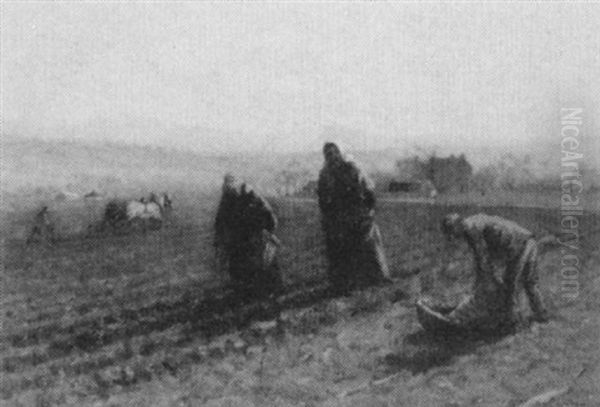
280	77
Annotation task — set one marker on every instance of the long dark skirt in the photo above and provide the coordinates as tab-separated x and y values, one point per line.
254	270
356	258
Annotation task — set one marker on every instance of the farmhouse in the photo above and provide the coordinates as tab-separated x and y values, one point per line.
419	187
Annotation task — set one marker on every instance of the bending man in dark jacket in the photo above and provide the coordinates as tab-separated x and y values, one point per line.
505	259
353	242
245	241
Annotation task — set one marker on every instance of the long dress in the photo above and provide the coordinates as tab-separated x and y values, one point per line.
353	242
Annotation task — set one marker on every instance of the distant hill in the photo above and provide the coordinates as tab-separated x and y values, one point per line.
51	167
79	166
112	168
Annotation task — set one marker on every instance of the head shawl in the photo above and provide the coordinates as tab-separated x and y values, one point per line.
229	182
332	152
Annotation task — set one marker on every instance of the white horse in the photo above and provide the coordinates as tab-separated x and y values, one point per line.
149	211
143	210
163	201
152	209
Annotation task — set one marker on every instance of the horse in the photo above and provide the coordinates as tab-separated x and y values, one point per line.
164	202
145	212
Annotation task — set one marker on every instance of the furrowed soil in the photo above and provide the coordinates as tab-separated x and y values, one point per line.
143	318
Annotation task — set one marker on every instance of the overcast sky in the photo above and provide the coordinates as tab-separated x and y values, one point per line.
285	76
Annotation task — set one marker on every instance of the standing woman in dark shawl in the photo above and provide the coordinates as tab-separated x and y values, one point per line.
353	242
